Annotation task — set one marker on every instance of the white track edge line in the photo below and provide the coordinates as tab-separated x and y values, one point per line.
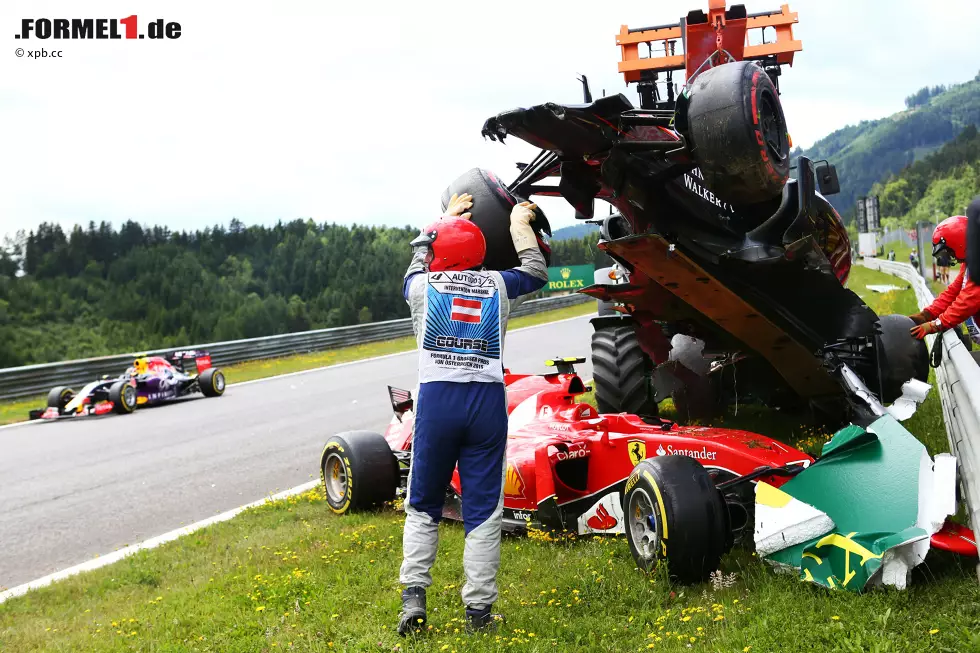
324	367
151	543
154	542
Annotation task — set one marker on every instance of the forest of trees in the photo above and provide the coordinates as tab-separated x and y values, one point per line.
933	188
870	151
98	290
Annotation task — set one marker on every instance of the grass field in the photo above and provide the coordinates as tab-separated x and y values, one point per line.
291	576
16	411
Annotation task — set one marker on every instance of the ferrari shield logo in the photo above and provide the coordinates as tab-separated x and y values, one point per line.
514	484
637	450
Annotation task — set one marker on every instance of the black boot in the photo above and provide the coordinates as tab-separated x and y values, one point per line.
481	620
412	618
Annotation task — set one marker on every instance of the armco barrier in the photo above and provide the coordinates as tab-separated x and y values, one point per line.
958	378
32	380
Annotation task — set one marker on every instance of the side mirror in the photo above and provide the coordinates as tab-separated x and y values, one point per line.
827	180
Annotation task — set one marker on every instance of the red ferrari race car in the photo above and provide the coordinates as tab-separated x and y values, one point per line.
682	493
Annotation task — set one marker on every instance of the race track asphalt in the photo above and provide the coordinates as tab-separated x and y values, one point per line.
71	490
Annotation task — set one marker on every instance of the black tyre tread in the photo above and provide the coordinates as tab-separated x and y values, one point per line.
492	204
205	381
372	469
696	515
901	356
621	372
56	395
115	396
723	132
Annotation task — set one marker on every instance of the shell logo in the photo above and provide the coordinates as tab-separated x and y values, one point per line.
565	273
513	483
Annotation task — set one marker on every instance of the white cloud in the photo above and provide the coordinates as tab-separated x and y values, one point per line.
363	114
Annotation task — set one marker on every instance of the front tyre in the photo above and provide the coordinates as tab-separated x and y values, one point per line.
675	514
211	382
59	398
123	397
358	471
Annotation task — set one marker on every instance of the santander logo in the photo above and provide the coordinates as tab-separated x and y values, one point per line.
698	454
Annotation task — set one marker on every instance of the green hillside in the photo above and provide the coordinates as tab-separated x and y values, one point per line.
872	150
933	188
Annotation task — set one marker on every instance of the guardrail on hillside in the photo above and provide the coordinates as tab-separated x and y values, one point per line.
958	378
32	380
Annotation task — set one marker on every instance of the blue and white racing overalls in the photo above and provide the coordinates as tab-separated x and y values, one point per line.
460	319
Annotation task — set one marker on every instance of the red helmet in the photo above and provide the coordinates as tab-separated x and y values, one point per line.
454	244
951	235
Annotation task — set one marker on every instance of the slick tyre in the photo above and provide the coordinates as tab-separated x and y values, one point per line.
738	131
900	356
674	514
123	397
492	203
211	382
59	397
358	471
621	371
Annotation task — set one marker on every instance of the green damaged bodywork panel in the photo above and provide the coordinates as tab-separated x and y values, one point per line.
878	487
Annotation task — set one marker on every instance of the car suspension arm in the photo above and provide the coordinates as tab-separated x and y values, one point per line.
788	470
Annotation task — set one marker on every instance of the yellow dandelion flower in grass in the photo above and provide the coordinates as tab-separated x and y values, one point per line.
835	618
694	639
687	618
746	649
651	645
933	631
720	617
260	608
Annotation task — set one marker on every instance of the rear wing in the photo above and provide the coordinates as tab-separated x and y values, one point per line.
401	401
201	358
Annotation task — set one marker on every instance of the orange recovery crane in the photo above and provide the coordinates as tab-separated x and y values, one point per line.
705	40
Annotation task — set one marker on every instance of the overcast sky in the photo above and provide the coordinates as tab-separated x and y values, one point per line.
267	111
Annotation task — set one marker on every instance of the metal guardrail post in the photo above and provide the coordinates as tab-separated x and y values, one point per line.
33	380
958	380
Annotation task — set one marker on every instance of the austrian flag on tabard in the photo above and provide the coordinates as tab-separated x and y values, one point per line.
466	310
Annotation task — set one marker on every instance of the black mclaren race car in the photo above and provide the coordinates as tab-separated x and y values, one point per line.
150	380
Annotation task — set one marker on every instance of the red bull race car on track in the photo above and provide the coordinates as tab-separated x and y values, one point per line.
150	380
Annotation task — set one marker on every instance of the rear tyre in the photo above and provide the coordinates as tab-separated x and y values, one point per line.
900	356
211	382
492	203
358	471
674	514
736	124
123	397
621	371
59	397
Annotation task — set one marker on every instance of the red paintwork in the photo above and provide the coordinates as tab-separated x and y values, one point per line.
956	538
548	426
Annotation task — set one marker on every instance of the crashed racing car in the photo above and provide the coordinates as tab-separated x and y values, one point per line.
150	380
731	273
681	494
